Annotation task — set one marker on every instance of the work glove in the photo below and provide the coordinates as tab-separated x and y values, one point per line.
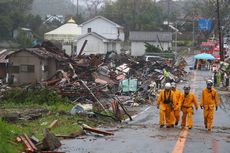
216	108
157	106
201	107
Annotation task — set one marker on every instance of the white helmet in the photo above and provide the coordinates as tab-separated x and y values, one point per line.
173	85
168	85
209	82
187	87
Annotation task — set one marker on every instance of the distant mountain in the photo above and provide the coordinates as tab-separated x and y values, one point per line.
53	7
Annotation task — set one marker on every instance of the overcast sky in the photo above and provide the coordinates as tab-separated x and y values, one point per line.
81	2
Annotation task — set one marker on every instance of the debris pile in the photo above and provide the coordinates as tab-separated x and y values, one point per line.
106	82
86	77
32	145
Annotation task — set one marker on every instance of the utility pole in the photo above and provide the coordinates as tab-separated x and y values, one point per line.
168	17
220	33
77	8
193	33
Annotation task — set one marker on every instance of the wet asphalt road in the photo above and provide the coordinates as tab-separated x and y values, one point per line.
143	134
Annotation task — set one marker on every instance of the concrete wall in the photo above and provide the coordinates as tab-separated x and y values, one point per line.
97	46
93	46
104	28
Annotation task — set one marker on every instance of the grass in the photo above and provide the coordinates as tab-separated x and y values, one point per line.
67	124
8	134
58	109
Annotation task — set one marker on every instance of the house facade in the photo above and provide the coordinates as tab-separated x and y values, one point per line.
138	39
96	44
31	65
102	36
103	27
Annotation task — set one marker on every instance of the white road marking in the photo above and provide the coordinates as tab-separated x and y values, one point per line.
134	116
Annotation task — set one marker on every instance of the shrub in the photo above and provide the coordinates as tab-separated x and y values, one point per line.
41	96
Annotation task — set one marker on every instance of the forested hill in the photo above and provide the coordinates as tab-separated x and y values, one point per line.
53	7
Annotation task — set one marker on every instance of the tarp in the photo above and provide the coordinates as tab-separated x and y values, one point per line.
204	56
128	85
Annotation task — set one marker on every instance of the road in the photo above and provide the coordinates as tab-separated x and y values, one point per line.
144	135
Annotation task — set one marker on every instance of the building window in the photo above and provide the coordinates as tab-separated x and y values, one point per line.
89	30
46	68
27	68
14	69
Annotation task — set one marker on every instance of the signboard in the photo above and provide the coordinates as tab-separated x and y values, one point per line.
204	24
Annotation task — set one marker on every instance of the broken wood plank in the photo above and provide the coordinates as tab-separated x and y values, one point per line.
88	128
31	143
12	142
72	135
53	124
82	48
93	95
52	152
116	110
28	147
123	107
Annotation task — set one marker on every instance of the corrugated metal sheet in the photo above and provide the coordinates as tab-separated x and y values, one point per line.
3	55
150	36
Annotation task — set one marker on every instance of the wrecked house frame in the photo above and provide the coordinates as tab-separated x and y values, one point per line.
32	65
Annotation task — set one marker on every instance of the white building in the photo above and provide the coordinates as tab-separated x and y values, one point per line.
102	35
103	27
139	38
96	44
65	34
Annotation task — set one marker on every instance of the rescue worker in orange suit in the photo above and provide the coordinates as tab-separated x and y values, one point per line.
165	104
175	113
209	99
187	101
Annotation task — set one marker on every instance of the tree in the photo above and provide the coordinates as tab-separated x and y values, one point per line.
207	9
79	18
92	6
149	48
23	40
34	22
133	14
5	27
13	15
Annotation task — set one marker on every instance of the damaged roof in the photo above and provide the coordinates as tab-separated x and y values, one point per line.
42	53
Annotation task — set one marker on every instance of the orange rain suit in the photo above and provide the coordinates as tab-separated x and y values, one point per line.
175	113
165	109
209	99
187	101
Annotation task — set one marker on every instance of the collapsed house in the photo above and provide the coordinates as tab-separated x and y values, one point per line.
33	64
